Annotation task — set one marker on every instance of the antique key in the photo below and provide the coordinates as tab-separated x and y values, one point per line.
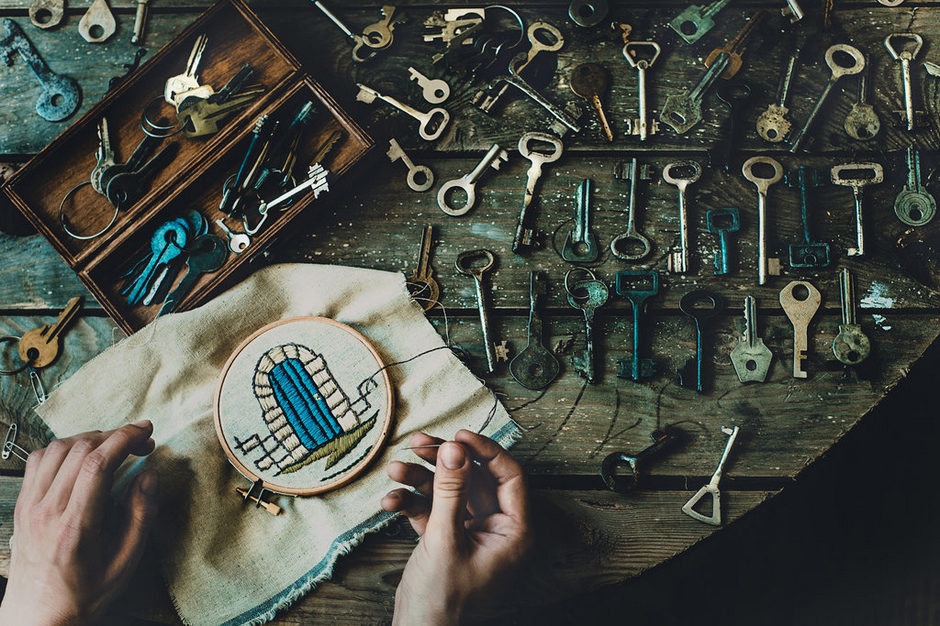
140	22
435	90
564	119
736	47
772	124
466	263
691	374
525	236
678	262
857	176
467	183
838	71
662	439
808	253
637	287
167	244
104	155
851	346
375	37
904	55
422	285
683	111
793	11
208	254
723	223
765	266
98	23
432	123
800	301
862	122
696	20
535	367
589	81
46	14
420	177
914	205
712	487
39	347
187	81
634	51
630	245
61	95
751	358
587	296
581	243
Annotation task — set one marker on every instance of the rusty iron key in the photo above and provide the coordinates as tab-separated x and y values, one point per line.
589	81
535	367
468	264
587	296
800	301
39	347
701	305
637	286
422	284
581	243
851	346
633	465
736	47
857	176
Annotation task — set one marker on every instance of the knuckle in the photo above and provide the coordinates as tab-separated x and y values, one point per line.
58	446
82	447
449	485
95	464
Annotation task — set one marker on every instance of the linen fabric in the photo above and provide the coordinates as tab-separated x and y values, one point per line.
226	561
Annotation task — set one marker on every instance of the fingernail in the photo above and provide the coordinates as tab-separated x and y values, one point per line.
452	455
148	483
144	424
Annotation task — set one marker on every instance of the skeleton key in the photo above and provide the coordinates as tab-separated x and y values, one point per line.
712	487
467	264
416	173
809	253
431	124
631	245
735	95
525	237
237	242
772	124
683	111
588	296
851	346
736	47
857	176
562	116
695	21
751	358
98	23
581	243
637	287
535	367
39	347
678	262
46	13
662	439
124	190
723	223
838	71
435	90
800	301
422	285
590	81
208	255
61	95
914	205
691	375
204	117
317	181
904	55
105	156
632	52
188	80
166	244
494	158
765	265
862	122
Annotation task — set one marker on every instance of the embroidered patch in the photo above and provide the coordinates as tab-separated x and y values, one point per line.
314	401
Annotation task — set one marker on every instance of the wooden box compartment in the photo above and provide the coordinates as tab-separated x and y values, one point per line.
54	192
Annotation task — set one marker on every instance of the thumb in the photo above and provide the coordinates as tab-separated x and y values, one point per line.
449	504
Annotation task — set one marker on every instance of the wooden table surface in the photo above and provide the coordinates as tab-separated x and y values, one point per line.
587	536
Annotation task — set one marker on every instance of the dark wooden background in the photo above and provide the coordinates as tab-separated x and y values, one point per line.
590	539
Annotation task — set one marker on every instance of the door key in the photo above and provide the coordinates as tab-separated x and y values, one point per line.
422	285
914	205
587	296
642	62
696	20
535	367
683	111
862	122
432	123
581	243
808	253
712	487
691	374
678	262
525	237
857	176
468	182
751	358
765	266
723	223
637	287
435	90
904	55
662	439
800	301
589	81
467	264
39	347
772	124
851	346
420	177
209	253
630	245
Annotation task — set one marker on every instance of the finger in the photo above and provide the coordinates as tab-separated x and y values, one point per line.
425	446
141	509
511	492
449	505
413	475
96	476
416	508
42	467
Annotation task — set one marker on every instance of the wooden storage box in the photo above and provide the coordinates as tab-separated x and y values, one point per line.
194	178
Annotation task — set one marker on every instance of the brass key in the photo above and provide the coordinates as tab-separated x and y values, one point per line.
736	47
589	81
40	346
422	285
800	301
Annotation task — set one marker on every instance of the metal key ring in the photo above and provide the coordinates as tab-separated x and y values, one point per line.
568	289
518	21
12	339
145	122
64	222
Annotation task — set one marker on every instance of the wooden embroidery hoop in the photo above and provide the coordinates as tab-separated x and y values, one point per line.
371	366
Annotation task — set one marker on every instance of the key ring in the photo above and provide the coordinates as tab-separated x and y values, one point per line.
12	339
568	289
64	222
167	130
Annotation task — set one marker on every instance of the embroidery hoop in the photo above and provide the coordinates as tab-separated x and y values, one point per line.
302	340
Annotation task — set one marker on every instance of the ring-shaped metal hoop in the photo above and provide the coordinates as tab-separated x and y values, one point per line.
145	122
518	19
64	222
9	339
586	270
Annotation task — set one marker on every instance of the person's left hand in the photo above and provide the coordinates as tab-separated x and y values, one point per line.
71	553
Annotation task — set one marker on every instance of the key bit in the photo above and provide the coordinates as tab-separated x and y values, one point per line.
634	466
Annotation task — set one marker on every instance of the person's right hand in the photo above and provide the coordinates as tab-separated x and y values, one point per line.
473	520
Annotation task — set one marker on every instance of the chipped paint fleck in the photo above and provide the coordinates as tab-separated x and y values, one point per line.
877	297
881	321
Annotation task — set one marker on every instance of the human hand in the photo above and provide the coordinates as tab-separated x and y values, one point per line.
473	521
71	554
